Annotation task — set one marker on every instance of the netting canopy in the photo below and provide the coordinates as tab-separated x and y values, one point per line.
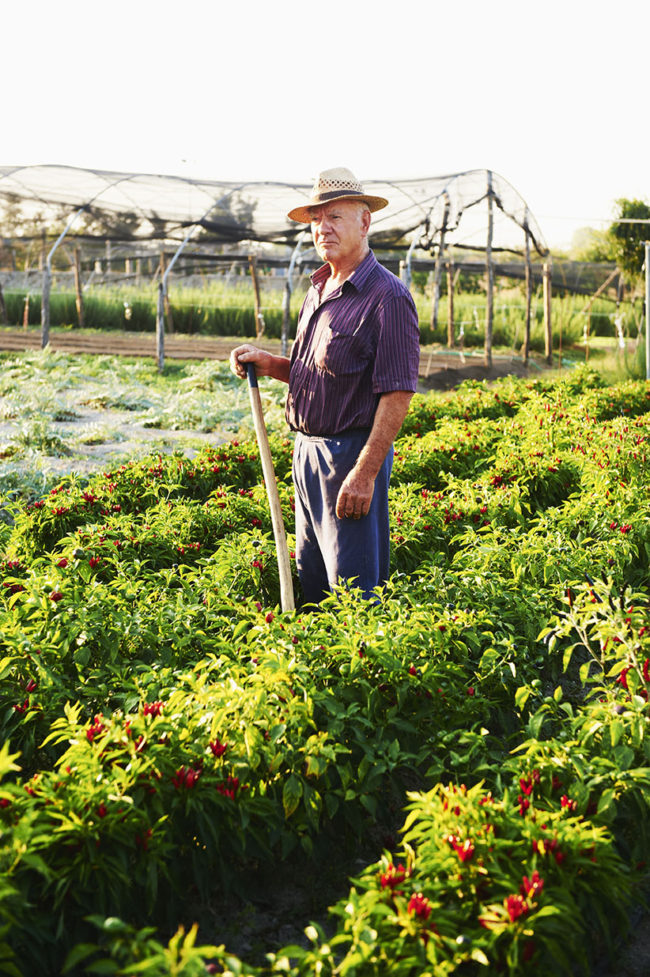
133	206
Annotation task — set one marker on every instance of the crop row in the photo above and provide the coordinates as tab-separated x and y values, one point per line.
223	310
168	731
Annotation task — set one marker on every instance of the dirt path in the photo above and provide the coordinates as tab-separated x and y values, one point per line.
439	369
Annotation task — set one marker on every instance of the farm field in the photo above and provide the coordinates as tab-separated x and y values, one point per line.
202	308
460	771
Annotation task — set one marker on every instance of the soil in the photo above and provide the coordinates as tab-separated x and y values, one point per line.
439	369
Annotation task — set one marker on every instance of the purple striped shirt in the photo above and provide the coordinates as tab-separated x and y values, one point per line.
361	341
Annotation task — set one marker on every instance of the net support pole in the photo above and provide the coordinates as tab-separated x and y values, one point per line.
647	310
163	299
286	298
406	266
259	318
4	319
169	318
489	271
47	280
286	316
451	339
79	295
160	328
437	274
548	335
525	351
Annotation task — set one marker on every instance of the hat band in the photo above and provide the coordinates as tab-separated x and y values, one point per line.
332	194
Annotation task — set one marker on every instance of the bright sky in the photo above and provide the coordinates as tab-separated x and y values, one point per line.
551	96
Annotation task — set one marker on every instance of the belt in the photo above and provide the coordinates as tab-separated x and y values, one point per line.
349	432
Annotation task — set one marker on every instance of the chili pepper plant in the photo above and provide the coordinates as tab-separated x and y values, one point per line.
479	731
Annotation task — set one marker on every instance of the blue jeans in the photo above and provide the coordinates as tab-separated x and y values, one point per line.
329	549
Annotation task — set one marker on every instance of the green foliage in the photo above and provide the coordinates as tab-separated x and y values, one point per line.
590	244
627	240
169	733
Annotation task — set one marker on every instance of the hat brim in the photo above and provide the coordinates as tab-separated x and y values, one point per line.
303	214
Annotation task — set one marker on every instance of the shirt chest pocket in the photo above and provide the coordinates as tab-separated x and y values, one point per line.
340	354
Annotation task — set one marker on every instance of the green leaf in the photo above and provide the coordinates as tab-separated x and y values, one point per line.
566	658
606	801
291	794
478	955
82	656
521	696
315	765
5	666
103	967
548	911
623	756
616	731
370	803
78	953
7	764
535	724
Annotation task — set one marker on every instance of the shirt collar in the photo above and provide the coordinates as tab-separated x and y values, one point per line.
358	278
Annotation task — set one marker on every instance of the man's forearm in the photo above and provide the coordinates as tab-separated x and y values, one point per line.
279	368
356	493
389	417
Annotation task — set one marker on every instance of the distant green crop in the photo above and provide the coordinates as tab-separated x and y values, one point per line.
228	309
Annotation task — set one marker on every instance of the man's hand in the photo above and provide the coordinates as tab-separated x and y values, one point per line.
266	364
355	496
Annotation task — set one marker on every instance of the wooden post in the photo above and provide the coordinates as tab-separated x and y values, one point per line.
608	281
489	269
79	298
26	312
169	318
548	343
45	307
3	309
525	350
438	268
160	329
451	338
259	318
286	317
435	304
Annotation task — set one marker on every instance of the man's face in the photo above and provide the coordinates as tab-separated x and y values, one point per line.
339	230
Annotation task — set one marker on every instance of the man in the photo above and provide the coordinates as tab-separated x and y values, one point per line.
352	373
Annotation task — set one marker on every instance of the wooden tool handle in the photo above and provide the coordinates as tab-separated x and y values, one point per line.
287	600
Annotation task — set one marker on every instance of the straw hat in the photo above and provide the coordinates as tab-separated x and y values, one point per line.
336	184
